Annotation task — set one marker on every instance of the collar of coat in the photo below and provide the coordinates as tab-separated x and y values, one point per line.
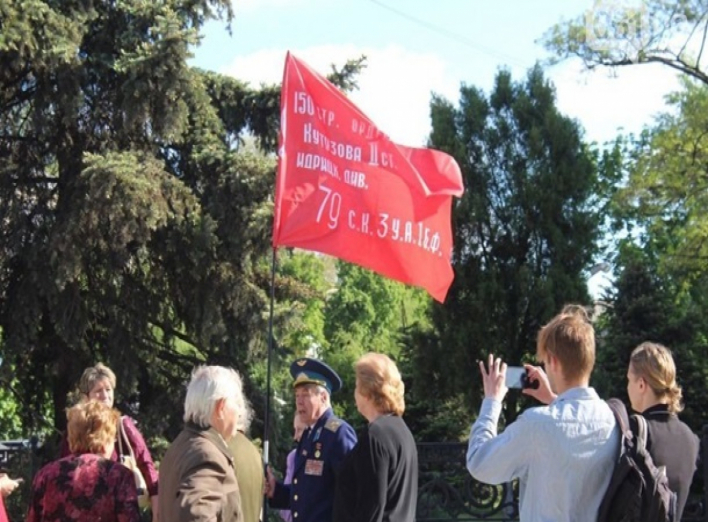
212	436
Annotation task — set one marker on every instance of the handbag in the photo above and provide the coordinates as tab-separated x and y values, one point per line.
128	460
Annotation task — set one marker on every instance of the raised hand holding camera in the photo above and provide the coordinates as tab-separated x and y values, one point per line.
542	392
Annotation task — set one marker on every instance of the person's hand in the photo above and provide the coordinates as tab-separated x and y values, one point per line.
494	380
543	393
8	485
269	486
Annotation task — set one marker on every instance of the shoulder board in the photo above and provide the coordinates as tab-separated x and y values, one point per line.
333	424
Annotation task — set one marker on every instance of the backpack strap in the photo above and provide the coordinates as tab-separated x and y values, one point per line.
642	431
620	411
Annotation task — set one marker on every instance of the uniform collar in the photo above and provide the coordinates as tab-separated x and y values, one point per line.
323	418
318	424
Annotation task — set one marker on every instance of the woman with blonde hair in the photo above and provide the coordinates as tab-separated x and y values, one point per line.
378	480
98	383
86	485
654	393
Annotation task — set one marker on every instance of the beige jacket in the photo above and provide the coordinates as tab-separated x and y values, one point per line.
197	479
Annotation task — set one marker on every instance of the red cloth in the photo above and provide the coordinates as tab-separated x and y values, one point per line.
345	189
84	488
142	454
3	513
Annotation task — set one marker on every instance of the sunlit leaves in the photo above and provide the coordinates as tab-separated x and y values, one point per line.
667	189
611	33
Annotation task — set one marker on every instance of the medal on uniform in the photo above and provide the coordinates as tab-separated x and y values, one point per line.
314	467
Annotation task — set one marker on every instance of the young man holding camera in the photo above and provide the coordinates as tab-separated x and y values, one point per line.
563	453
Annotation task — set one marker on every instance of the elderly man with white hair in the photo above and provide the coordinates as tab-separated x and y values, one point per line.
197	478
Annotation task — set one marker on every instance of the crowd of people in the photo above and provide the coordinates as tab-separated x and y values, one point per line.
562	452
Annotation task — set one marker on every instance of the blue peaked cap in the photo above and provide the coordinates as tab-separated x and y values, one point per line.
312	371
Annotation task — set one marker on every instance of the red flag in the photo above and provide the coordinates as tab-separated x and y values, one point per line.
345	189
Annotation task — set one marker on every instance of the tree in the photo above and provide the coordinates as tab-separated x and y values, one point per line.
660	262
665	192
367	313
133	224
524	232
671	33
304	275
648	304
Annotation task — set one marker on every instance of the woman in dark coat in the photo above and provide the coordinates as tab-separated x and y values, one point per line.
378	480
653	392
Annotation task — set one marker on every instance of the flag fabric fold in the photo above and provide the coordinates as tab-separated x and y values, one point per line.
345	189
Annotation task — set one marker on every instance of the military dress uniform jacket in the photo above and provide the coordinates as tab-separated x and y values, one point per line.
319	454
197	479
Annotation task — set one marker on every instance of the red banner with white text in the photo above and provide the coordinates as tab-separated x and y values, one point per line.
344	188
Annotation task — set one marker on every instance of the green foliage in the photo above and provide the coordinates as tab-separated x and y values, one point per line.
660	264
648	306
303	279
241	107
338	311
365	308
525	231
665	194
10	422
134	225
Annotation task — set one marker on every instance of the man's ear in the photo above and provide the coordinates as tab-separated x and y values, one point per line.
553	362
219	408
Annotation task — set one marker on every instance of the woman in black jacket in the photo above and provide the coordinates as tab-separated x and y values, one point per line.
378	479
653	392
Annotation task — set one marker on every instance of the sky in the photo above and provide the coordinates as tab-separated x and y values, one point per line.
418	47
415	48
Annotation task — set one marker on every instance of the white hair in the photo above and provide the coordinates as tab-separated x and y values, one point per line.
324	390
208	385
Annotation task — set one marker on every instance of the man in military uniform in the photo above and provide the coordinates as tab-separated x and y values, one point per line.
321	449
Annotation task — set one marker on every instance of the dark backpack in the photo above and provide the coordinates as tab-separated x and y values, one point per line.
638	490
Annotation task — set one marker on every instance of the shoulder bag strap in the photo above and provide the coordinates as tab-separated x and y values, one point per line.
119	436
127	440
123	436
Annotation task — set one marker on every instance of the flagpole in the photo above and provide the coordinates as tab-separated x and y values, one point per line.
266	416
